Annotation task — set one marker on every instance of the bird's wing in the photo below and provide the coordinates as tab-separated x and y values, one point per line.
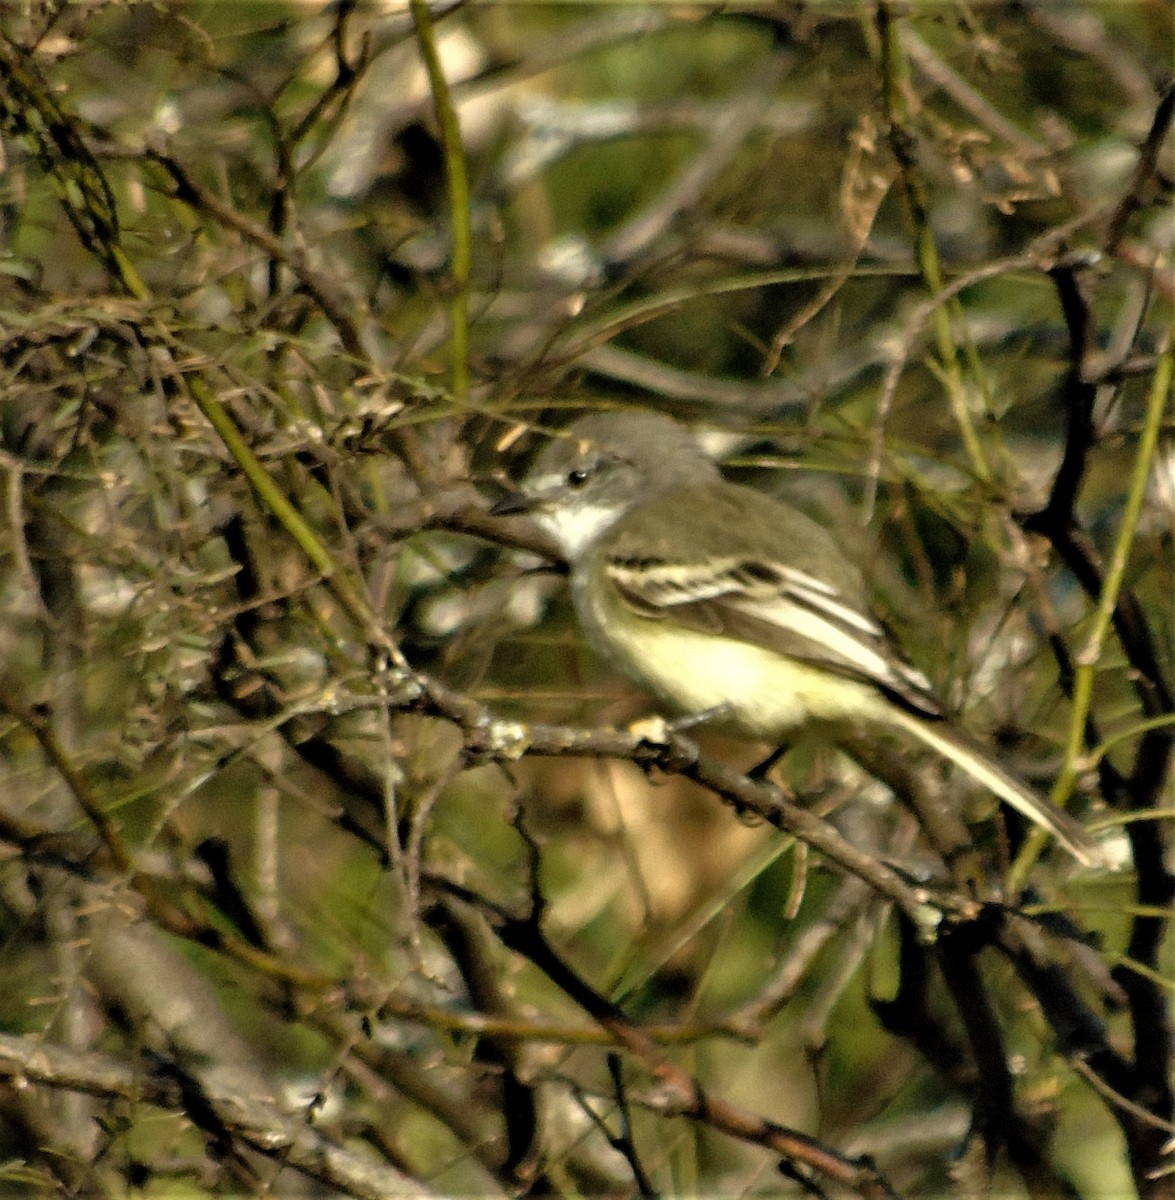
780	607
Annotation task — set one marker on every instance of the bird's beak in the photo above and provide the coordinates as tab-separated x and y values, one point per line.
513	503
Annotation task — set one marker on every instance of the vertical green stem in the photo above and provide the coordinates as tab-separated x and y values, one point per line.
458	197
344	590
894	83
1088	657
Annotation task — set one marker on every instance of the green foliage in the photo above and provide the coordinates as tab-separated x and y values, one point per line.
319	858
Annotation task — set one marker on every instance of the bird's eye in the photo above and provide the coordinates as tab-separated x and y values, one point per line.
577	478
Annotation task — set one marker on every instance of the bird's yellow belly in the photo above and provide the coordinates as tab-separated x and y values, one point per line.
755	691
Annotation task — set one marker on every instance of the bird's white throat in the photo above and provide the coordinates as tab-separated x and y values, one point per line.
575	526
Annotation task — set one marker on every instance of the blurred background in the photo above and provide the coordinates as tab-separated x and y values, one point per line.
300	890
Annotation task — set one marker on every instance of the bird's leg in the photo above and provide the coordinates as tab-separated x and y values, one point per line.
760	771
657	730
719	712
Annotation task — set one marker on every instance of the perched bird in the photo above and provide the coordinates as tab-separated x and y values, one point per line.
721	600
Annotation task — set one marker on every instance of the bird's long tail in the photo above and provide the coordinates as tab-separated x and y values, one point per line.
979	764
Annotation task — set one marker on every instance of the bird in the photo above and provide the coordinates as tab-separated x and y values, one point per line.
728	603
